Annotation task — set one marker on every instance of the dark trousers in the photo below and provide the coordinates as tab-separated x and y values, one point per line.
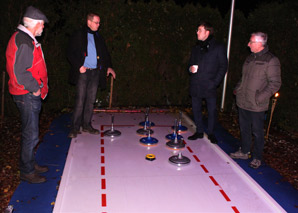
86	90
29	107
198	116
252	123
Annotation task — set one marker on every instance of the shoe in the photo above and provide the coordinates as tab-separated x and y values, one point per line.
33	178
196	136
212	138
255	163
40	169
73	133
91	130
239	155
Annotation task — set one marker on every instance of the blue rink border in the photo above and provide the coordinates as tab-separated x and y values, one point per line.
52	152
40	198
269	179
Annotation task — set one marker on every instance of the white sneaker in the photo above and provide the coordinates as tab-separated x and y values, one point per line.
239	155
255	163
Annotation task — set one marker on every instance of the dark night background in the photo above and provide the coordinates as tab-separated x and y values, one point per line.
150	43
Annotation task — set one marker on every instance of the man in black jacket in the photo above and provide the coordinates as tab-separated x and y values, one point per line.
90	63
207	66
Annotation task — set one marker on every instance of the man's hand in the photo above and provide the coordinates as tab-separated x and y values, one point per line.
112	72
82	69
37	93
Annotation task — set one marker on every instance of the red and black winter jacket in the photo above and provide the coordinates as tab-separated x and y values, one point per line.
25	65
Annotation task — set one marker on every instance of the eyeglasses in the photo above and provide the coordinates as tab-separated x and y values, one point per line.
96	22
251	42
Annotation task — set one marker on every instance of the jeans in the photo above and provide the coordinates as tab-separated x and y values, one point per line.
198	116
252	123
29	107
86	90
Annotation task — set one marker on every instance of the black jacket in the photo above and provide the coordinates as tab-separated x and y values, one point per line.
213	63
77	51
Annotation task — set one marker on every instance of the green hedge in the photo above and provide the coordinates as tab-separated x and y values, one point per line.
150	45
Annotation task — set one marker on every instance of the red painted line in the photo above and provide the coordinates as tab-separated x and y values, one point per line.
101	127
162	126
118	125
184	141
204	168
235	209
102	150
189	149
102	135
103	183
225	195
103	200
213	180
102	159
197	159
102	142
103	171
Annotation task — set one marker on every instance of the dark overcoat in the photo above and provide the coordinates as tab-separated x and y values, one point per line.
212	64
77	51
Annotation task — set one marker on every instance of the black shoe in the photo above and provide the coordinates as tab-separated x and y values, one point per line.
212	138
73	134
40	169
33	178
196	136
91	130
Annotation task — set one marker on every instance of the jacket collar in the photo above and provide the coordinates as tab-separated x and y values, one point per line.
25	30
262	52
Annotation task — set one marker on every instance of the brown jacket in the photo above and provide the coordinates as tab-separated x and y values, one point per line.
261	78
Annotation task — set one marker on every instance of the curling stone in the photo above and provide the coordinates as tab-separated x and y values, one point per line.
147	122
179	160
176	143
175	133
180	127
144	130
149	141
112	132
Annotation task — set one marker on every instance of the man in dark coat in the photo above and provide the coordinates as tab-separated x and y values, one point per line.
91	63
207	66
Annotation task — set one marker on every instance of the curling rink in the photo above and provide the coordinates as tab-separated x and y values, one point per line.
111	174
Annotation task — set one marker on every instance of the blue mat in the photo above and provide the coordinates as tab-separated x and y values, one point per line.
53	150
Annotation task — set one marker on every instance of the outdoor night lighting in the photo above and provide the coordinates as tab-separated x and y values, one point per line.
274	101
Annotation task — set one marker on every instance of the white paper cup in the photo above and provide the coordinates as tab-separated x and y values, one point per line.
196	68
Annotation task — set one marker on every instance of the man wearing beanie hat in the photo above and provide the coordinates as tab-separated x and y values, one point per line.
28	84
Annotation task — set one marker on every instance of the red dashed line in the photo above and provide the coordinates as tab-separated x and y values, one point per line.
184	141
103	183
235	209
102	127
204	168
225	195
102	142
102	135
102	150
103	170
189	149
197	159
213	180
103	200
102	159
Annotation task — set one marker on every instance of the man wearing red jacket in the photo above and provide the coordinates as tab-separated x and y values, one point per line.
28	83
